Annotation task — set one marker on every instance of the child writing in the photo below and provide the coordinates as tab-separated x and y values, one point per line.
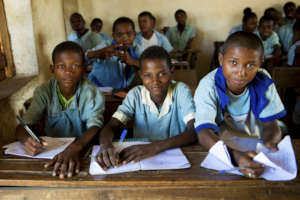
148	36
96	26
249	22
116	65
242	93
71	105
162	111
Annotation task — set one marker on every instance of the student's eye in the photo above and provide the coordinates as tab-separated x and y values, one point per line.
75	66
60	66
249	65
162	74
233	62
147	75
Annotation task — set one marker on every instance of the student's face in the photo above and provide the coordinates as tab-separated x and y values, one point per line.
250	25
240	66
77	23
96	27
180	18
290	12
146	24
68	70
266	29
124	34
156	76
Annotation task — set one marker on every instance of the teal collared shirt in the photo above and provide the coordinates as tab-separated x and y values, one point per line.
269	43
179	41
88	41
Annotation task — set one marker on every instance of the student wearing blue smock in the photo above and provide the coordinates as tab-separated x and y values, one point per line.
96	26
71	107
148	36
289	10
161	110
115	65
249	23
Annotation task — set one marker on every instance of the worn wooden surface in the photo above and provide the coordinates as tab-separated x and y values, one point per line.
195	183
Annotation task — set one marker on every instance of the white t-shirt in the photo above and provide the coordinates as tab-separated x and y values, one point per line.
148	43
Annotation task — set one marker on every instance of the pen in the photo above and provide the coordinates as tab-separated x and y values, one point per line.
28	129
122	137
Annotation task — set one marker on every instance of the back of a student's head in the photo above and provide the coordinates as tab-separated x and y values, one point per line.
67	46
123	20
154	53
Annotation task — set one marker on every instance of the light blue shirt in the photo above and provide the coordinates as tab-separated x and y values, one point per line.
157	123
88	41
211	104
285	34
179	41
86	110
240	28
105	38
291	53
162	41
269	43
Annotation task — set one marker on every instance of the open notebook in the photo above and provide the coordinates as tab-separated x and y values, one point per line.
167	160
279	166
55	146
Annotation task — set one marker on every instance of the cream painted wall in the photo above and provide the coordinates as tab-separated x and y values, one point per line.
212	18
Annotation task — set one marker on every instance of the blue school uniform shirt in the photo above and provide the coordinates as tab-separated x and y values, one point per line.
162	41
105	38
212	100
179	41
285	34
112	72
85	110
88	41
291	53
240	28
269	43
155	123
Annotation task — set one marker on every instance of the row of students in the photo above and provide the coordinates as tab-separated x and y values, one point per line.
162	110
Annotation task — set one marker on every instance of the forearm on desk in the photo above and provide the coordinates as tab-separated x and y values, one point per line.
88	136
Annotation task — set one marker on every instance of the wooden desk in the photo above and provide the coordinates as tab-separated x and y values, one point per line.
193	183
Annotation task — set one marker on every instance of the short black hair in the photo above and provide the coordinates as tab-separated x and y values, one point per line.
264	19
268	10
243	39
147	13
288	4
155	52
96	20
180	11
248	14
122	20
68	46
76	15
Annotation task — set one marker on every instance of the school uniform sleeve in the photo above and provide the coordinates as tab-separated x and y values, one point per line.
192	35
206	101
166	44
126	110
186	102
291	53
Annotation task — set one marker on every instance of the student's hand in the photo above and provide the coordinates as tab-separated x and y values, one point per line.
245	160
66	161
136	153
107	157
271	143
126	58
32	147
271	135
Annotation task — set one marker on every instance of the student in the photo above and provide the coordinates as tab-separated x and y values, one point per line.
243	94
269	38
273	13
96	26
116	64
289	11
249	22
181	35
71	106
162	111
81	35
294	50
148	36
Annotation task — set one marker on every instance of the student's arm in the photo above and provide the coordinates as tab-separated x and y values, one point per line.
277	51
189	44
271	135
139	152
126	58
103	53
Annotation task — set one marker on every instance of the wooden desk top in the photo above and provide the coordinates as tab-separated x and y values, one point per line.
188	183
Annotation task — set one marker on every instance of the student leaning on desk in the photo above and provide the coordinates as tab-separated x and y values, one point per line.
72	106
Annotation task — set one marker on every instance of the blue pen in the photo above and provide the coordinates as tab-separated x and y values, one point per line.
28	129
122	137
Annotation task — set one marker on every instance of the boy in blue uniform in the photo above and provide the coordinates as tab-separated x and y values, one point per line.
239	92
96	26
162	111
115	65
148	36
71	105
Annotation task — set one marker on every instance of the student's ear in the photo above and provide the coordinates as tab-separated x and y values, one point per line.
220	58
52	68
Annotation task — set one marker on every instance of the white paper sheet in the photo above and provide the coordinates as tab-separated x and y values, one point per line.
55	146
279	166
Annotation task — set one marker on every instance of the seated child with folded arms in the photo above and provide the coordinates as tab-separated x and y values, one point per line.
242	94
71	105
162	111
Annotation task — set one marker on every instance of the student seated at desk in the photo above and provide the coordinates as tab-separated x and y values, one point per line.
72	107
181	36
148	36
96	26
162	111
86	38
249	23
289	10
273	13
115	65
243	97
